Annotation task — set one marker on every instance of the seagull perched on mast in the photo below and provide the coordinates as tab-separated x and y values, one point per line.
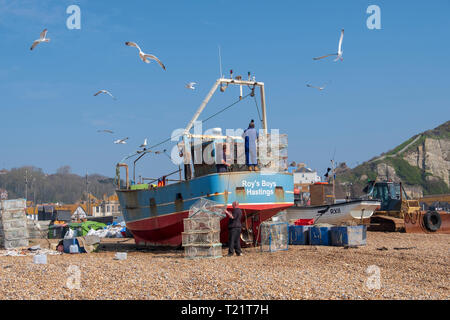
191	85
42	38
121	141
105	91
144	56
339	53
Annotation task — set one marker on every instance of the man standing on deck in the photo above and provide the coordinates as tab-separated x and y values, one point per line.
234	230
250	136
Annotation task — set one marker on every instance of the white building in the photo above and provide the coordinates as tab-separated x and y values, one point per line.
305	175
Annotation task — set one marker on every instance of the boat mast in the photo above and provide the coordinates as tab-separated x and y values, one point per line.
226	82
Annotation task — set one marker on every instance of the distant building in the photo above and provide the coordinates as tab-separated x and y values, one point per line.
4	171
303	178
305	175
109	206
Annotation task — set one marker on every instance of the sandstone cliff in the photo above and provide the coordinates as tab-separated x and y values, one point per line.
421	163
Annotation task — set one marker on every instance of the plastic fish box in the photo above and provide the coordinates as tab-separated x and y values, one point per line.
299	235
203	251
319	236
11	244
200	237
201	223
349	236
14	214
12	204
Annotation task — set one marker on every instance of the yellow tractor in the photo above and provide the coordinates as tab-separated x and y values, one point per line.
398	213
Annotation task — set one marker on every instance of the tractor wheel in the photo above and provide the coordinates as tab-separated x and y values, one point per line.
432	220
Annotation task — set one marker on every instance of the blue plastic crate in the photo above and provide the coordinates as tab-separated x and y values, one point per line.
319	236
298	235
349	236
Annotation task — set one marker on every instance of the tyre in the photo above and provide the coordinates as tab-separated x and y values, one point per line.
432	220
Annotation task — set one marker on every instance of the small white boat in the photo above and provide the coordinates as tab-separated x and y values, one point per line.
338	213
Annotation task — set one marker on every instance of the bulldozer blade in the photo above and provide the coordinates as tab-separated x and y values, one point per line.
414	223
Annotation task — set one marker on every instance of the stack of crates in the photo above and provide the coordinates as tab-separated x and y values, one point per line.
13	224
274	236
201	237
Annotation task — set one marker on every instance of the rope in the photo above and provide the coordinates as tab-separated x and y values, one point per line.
257	109
220	111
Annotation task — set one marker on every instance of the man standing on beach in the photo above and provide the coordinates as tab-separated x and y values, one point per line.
234	230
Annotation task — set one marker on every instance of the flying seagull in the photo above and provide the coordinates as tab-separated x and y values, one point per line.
121	141
144	56
107	131
144	145
339	53
318	88
42	38
191	85
105	91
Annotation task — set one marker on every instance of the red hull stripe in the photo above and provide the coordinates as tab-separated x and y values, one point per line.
166	229
246	206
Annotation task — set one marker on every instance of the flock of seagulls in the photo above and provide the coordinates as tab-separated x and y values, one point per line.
339	56
147	58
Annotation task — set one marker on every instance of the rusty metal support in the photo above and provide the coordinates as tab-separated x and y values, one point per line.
118	174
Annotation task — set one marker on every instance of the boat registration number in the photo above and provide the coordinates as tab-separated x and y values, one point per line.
336	210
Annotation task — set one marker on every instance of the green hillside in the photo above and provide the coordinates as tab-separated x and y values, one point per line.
408	174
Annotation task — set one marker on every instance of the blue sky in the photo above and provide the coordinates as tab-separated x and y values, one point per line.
392	84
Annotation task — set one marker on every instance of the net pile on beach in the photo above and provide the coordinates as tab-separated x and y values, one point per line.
13	224
274	236
201	236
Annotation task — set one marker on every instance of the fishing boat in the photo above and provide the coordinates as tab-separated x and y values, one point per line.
154	214
337	213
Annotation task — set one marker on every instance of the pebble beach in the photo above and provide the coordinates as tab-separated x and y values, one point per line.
391	266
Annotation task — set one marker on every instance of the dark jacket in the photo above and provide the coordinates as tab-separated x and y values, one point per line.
236	221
